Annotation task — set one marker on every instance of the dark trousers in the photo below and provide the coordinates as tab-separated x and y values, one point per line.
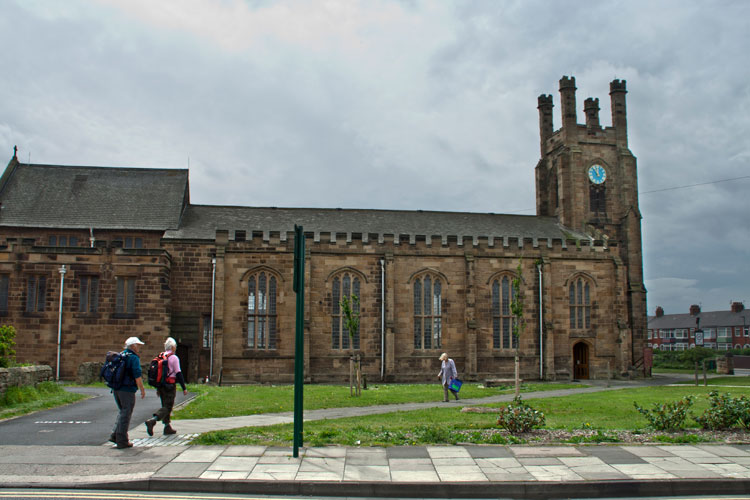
166	393
125	403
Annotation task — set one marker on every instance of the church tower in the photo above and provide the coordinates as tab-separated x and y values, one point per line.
587	178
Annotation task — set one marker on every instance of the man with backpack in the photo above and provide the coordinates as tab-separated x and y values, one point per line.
125	390
163	374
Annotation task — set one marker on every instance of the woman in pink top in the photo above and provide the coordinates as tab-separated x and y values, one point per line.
168	391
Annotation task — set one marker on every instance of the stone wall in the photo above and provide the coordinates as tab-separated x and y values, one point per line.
24	375
85	335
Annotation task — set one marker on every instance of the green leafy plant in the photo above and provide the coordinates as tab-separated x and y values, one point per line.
723	411
7	342
518	417
667	416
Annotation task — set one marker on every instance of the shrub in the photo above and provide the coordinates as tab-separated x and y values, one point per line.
696	354
667	416
519	417
723	411
7	342
743	412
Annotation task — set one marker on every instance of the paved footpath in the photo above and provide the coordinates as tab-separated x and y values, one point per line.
481	471
401	471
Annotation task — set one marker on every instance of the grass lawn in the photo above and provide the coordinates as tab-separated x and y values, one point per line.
235	401
604	412
672	370
27	399
728	381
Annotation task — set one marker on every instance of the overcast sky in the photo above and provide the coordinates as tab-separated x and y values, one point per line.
398	104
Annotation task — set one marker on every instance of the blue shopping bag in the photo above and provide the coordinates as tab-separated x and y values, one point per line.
455	385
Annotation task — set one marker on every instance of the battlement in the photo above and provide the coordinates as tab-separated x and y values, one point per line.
617	86
323	241
591	103
545	101
568	82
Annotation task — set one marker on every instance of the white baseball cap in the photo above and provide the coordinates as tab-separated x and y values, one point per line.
133	340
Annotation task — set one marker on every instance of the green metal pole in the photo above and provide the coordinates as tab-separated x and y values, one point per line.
299	345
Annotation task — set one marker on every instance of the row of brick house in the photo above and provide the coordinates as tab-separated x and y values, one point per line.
720	330
92	255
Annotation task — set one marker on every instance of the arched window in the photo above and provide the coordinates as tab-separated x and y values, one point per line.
502	320
580	304
428	310
262	325
344	285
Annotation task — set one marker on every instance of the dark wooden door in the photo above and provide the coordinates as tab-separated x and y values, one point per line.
183	352
581	361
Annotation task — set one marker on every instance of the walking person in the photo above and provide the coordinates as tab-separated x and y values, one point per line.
125	395
446	375
168	391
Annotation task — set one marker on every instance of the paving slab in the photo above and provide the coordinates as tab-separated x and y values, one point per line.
411	464
367	473
244	451
489	451
613	454
226	464
183	469
407	452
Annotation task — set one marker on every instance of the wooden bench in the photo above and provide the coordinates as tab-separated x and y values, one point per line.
498	382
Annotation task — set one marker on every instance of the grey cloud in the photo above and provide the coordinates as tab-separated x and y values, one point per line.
438	115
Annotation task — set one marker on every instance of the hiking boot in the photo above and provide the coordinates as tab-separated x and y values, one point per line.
150	423
168	430
121	446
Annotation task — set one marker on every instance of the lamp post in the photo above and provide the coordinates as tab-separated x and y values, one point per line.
62	271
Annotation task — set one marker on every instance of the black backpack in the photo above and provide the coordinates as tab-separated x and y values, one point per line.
113	371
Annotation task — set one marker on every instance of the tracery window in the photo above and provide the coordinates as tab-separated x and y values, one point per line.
428	310
598	199
4	293
88	294
262	321
36	293
502	320
580	304
343	285
125	300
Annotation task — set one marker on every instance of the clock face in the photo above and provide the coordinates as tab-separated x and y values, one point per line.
597	174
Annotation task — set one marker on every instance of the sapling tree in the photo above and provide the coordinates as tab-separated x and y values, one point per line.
350	313
519	323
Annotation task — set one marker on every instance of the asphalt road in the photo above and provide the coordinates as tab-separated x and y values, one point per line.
88	422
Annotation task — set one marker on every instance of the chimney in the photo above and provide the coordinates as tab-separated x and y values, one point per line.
695	309
659	312
738	307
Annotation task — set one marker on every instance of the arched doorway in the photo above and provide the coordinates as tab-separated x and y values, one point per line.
581	361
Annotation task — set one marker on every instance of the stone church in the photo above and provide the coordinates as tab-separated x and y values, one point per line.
92	255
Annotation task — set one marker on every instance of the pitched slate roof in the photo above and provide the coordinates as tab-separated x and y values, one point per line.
709	319
99	197
202	221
